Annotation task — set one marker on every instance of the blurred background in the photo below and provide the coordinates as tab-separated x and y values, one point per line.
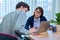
50	7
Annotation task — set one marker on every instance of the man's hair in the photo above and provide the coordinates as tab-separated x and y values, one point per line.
22	4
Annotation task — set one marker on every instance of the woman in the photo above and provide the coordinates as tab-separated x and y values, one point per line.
34	21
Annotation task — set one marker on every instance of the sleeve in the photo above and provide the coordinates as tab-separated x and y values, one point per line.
27	24
20	23
0	27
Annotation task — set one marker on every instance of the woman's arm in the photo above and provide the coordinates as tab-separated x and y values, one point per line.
27	24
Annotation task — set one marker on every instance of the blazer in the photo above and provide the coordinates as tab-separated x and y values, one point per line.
10	22
30	21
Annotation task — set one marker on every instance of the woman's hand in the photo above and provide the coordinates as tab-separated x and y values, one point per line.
32	30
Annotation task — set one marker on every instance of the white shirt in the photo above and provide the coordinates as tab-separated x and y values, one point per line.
37	23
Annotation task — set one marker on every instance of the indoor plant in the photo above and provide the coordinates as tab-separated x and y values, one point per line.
57	22
58	18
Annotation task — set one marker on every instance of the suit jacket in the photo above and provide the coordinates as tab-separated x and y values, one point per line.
30	21
10	22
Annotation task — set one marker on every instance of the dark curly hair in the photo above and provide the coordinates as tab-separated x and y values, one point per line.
22	4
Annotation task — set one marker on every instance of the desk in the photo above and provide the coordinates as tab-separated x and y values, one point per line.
49	35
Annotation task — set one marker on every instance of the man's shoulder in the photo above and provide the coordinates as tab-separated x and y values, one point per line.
9	15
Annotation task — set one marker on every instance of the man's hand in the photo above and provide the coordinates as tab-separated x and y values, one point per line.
32	30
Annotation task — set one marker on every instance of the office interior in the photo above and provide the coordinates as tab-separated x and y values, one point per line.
50	7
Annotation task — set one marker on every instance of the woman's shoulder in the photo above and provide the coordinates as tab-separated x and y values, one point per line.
43	17
31	17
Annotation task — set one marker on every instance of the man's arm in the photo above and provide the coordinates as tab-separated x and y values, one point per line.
20	23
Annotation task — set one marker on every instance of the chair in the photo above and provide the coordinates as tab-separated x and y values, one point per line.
19	34
4	36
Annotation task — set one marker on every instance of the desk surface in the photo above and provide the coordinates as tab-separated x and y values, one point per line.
49	35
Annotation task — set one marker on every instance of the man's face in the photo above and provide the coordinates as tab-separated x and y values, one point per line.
25	9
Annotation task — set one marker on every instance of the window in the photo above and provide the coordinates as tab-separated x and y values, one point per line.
9	5
47	5
0	1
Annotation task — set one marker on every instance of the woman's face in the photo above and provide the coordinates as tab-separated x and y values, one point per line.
37	13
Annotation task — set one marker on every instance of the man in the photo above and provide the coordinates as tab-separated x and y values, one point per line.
15	20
